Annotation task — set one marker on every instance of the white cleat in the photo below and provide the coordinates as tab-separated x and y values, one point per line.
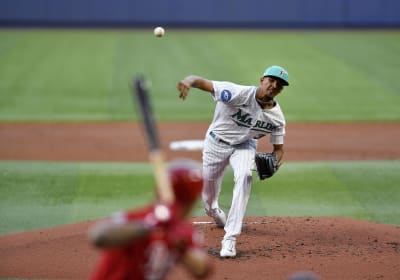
228	248
218	215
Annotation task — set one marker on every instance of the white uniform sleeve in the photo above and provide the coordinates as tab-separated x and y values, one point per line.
229	93
276	136
278	133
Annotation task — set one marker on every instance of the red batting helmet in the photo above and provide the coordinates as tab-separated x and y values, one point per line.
186	180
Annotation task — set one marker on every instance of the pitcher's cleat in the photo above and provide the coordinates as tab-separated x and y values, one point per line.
228	248
218	215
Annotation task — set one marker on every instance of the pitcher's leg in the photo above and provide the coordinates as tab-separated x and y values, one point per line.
211	190
241	162
215	160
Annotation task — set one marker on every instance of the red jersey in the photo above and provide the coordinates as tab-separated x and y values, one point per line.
150	257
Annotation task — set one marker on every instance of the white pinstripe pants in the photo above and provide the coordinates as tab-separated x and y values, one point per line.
216	157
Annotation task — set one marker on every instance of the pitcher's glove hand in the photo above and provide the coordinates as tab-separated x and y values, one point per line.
266	164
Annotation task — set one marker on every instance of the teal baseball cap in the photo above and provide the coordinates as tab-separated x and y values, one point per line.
278	72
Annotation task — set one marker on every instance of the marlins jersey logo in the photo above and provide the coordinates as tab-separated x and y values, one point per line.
246	120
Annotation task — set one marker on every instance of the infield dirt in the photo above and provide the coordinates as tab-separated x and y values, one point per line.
269	247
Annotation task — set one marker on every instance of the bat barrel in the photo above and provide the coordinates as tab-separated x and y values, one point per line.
141	88
144	104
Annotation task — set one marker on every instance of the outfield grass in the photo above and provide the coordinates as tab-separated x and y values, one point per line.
39	194
78	75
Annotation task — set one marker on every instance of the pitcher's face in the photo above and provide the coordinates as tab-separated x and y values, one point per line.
270	87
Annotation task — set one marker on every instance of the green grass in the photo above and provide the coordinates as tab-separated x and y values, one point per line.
54	194
365	190
41	194
75	75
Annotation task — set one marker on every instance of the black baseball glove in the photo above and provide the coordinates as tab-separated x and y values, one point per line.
266	164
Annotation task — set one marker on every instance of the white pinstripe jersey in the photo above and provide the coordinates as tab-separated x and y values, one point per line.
238	117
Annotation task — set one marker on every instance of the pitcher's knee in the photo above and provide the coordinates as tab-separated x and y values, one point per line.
244	177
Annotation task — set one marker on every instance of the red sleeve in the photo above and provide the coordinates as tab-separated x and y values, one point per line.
127	216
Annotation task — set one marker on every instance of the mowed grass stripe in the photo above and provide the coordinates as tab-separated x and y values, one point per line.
43	194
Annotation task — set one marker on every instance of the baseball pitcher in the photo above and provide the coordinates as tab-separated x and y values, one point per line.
243	114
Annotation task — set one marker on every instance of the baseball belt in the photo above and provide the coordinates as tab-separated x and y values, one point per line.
216	138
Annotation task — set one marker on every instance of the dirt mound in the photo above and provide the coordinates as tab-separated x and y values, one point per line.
269	248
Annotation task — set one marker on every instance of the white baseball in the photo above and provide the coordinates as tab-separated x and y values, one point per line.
159	31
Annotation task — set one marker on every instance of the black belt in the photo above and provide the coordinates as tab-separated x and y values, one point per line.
212	134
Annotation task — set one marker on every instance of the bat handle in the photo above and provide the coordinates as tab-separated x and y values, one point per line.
162	180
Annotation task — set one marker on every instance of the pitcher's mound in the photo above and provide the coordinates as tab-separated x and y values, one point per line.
268	248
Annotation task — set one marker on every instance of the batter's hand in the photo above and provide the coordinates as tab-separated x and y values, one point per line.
183	88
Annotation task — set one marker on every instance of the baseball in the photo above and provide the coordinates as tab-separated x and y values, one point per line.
159	31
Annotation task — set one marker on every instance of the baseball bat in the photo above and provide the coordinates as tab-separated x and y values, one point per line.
141	95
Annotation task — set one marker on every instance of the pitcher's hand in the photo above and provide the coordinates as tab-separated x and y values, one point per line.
183	88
